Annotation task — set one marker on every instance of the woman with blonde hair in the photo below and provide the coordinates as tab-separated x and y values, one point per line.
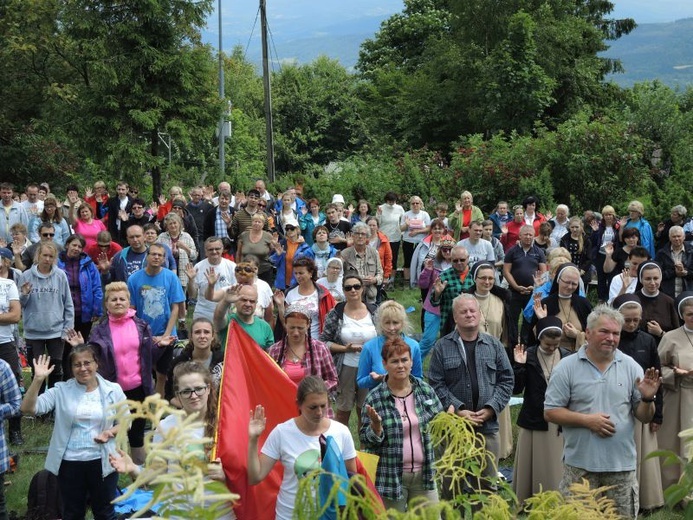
605	240
636	219
126	354
465	213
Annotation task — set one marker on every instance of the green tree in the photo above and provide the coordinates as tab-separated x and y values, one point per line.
115	74
316	114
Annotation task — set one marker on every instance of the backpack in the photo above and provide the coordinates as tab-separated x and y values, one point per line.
44	501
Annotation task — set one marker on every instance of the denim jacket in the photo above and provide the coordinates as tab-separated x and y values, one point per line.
448	374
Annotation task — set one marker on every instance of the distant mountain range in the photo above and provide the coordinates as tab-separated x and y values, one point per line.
661	51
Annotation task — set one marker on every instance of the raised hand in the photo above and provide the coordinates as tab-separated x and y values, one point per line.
232	294
539	309
520	354
26	288
438	287
609	248
257	422
548	215
504	229
3	242
123	215
162	200
376	421
42	367
154	207
226	217
88	193
211	276
649	385
73	337
278	298
103	264
428	264
190	271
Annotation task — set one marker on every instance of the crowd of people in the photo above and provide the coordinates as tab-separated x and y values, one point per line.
103	286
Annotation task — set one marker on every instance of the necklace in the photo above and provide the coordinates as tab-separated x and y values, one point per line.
483	308
295	358
688	336
563	307
331	226
544	364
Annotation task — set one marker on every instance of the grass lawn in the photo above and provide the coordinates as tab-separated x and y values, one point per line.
37	434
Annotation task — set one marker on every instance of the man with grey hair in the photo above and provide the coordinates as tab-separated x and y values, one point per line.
595	396
365	260
676	261
559	222
677	217
522	262
471	374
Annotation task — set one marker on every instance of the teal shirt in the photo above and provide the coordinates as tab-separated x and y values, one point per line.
259	330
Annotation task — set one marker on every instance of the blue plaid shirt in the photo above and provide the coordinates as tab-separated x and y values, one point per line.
10	399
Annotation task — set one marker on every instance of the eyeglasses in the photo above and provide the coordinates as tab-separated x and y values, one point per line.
244	269
459	260
85	364
360	234
446	249
47	234
187	393
486	278
355	287
137	207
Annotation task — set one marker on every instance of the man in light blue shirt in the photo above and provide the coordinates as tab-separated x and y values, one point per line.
596	396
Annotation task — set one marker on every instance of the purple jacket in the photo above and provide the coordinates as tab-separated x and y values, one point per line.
101	337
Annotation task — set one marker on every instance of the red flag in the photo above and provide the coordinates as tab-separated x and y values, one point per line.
250	377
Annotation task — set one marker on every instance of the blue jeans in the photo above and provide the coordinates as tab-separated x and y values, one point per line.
430	333
79	480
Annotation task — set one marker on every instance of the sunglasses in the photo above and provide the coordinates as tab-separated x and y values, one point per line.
355	287
262	205
458	260
446	249
47	234
244	269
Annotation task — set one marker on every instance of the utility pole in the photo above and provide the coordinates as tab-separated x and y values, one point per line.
269	131
222	119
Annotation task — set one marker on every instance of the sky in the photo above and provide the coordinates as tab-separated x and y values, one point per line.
301	16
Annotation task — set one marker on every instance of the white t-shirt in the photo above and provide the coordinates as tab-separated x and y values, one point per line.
356	331
198	433
311	303
226	271
482	250
264	297
617	284
299	454
8	293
